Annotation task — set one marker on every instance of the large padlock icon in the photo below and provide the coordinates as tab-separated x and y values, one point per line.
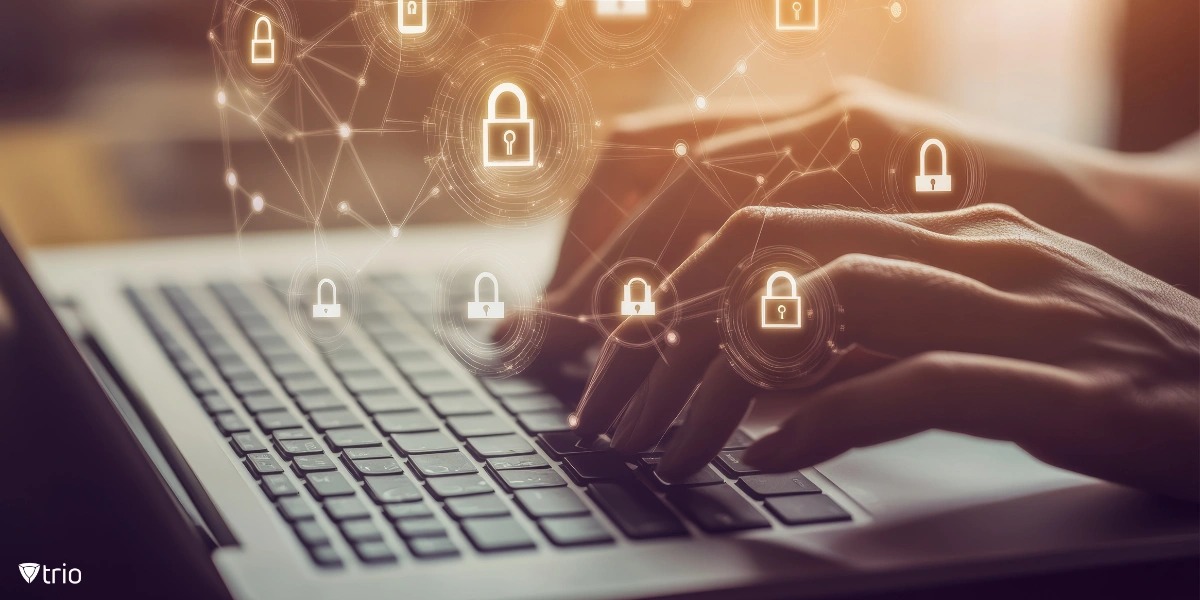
622	8
486	310
933	183
413	16
265	44
781	312
508	142
326	311
637	308
797	15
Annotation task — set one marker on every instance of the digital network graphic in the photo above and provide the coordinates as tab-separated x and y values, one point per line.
315	112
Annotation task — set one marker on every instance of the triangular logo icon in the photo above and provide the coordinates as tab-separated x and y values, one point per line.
29	571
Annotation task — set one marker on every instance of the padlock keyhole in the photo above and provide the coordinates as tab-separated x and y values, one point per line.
933	184
782	309
510	137
796	8
485	309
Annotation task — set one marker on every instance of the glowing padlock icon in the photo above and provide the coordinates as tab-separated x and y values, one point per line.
326	311
642	308
267	56
933	183
622	8
797	15
413	16
486	310
508	142
781	312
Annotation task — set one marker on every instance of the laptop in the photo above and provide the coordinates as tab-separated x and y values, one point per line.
383	468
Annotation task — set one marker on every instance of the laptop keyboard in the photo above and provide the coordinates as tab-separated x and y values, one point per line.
404	457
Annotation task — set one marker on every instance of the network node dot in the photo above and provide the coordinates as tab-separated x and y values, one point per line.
435	191
741	67
701	103
673	338
855	145
257	203
221	98
572	420
344	131
597	123
760	179
395	231
681	149
560	3
231	179
362	82
686	3
896	10
343	207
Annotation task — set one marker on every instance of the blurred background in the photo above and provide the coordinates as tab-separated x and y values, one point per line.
109	129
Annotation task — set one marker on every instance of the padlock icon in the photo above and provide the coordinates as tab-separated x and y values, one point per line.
326	311
508	142
622	8
797	15
266	44
933	183
640	308
413	17
781	312
486	310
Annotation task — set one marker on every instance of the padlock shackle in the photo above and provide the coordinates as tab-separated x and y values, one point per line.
933	142
509	88
784	275
629	290
412	7
332	286
270	34
495	286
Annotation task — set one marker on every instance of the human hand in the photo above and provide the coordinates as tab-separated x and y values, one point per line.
996	327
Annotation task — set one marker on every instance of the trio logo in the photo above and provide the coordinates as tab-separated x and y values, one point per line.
29	571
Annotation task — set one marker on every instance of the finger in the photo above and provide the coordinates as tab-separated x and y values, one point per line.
715	412
986	396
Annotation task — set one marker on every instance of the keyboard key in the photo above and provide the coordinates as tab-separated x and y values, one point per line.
404	422
597	466
215	403
444	463
346	507
278	485
392	488
458	485
248	386
245	442
432	547
291	448
567	443
575	531
487	505
229	423
433	384
409	510
547	421
730	462
777	484
636	511
705	476
302	383
551	502
263	464
415	362
423	443
276	419
534	403
312	463
374	552
295	508
478	425
414	528
334	418
350	363
262	401
329	484
310	401
367	452
717	508
361	384
288	365
496	534
360	530
512	386
374	402
290	434
806	509
201	384
351	437
454	405
498	445
376	466
504	463
311	533
326	556
529	478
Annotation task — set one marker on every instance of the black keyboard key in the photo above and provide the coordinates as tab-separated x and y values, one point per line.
432	547
705	476
326	556
295	508
594	467
567	443
408	510
575	531
291	448
454	405
351	437
551	502
367	452
467	507
547	421
496	534
513	386
278	486
310	401
215	403
201	384
423	443
498	445
374	552
261	402
777	484
311	533
346	507
433	384
440	464
414	528
530	461
246	442
290	434
276	419
717	508
636	511
478	425
229	423
806	509
333	418
392	488
263	464
458	485
329	484
360	530
375	466
312	463
404	422
389	401
730	462
534	403
524	479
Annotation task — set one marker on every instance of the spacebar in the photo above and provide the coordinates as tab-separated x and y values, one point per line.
635	510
